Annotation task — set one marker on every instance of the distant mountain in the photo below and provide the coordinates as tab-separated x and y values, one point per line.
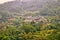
24	5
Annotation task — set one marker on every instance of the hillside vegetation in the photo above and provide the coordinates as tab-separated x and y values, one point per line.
30	20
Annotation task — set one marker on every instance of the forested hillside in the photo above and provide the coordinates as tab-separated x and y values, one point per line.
30	20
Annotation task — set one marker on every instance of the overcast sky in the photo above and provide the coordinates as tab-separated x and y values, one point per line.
2	1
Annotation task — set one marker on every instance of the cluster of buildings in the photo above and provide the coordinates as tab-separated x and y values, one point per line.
35	19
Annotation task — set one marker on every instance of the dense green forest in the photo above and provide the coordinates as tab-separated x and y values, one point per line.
37	22
30	31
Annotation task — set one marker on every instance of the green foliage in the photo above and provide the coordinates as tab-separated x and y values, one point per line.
18	30
30	32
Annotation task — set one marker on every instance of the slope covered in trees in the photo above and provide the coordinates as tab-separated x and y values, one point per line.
30	20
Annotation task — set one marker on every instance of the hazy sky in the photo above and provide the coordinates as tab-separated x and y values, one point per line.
2	1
